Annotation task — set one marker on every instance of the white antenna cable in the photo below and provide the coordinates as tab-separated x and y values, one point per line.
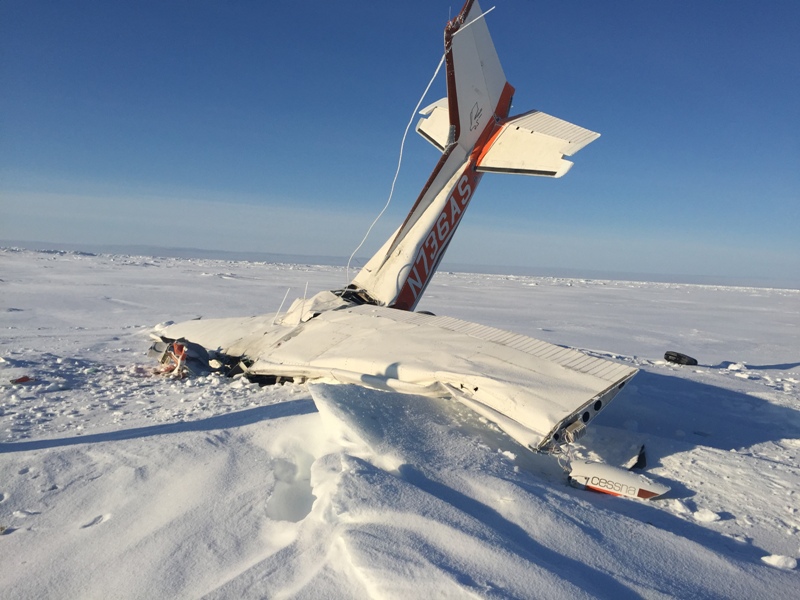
397	172
402	146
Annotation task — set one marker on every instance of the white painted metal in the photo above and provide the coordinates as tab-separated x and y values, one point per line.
479	77
535	144
530	388
435	124
386	272
608	479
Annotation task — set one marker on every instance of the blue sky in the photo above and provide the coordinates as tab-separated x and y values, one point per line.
275	127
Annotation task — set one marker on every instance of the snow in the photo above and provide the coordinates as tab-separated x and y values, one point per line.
118	483
780	562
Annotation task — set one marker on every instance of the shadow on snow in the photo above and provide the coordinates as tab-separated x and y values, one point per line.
235	419
698	414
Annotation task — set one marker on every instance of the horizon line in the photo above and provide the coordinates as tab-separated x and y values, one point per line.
156	251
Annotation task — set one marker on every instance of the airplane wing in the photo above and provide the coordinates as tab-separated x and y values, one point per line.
538	393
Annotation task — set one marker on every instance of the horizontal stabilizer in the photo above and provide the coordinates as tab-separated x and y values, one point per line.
435	124
534	144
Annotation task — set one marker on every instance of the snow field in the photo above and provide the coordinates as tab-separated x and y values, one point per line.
115	483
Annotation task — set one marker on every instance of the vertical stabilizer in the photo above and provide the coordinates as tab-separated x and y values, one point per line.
477	83
477	97
472	130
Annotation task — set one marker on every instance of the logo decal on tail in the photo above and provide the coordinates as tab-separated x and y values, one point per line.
475	117
436	241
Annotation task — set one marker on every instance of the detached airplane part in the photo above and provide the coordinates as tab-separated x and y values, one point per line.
608	479
540	394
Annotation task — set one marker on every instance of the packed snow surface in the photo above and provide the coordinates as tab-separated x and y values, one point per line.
116	483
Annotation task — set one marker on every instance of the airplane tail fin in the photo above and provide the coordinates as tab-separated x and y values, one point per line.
472	130
477	96
477	91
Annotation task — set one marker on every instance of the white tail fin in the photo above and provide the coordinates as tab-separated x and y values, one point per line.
471	129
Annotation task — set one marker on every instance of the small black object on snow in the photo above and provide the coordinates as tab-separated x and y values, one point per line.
679	359
641	460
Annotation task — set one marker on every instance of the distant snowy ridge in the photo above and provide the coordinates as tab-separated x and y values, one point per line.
790	281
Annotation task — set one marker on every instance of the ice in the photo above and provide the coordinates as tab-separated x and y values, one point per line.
118	483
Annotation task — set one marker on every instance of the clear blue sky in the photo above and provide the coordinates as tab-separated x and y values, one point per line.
275	127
